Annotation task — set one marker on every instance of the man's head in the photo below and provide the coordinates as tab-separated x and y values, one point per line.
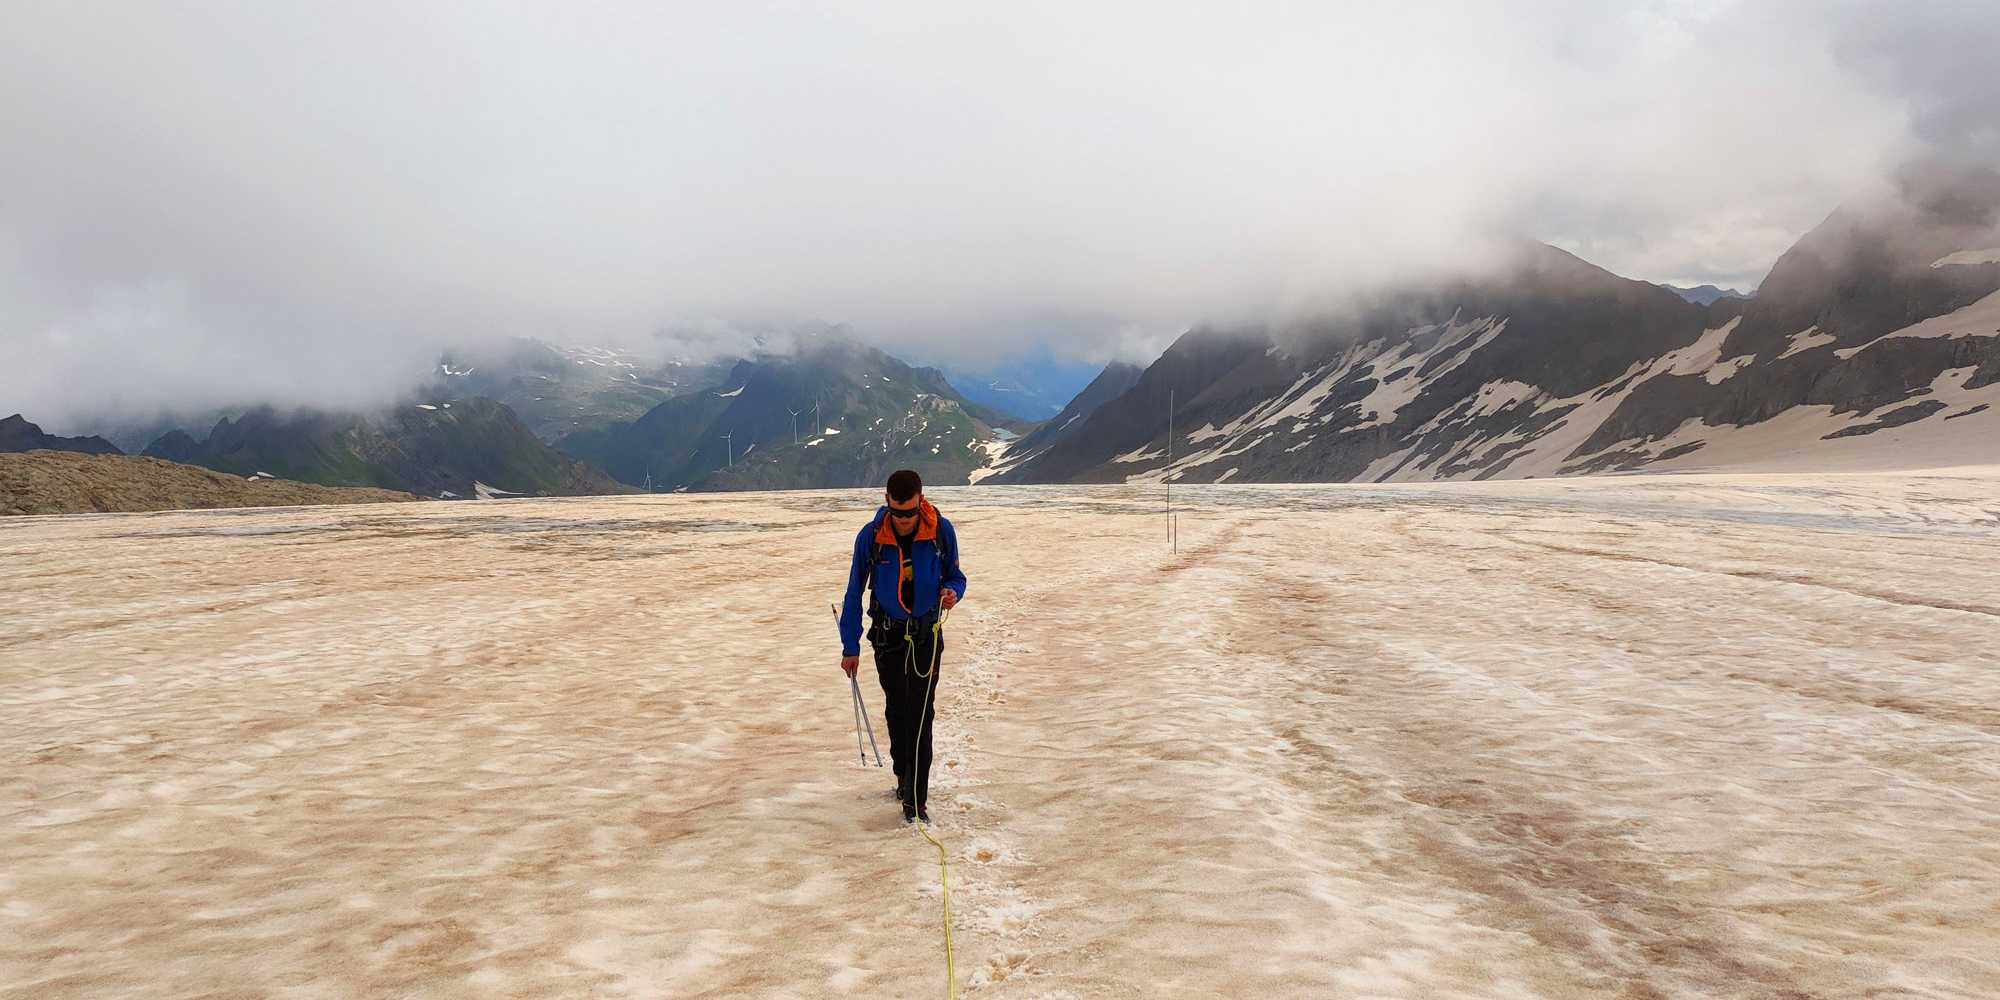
906	499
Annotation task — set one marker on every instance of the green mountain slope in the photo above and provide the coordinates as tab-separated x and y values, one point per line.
861	414
450	447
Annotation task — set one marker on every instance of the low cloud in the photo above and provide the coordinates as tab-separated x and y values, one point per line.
270	201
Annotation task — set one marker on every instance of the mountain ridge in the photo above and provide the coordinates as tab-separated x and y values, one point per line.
861	413
18	434
1883	321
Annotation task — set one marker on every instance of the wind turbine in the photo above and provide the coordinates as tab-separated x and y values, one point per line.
816	422
729	449
795	423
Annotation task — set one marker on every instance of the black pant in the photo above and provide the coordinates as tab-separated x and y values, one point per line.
904	654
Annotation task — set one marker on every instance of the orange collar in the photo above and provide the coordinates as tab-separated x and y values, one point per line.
927	521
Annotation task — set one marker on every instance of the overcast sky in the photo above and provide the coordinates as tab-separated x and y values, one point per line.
207	203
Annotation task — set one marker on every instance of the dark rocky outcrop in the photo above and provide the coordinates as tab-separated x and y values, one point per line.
18	434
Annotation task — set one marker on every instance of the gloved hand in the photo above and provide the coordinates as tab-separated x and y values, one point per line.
850	664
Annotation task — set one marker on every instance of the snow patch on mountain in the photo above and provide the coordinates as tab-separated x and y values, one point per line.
1548	430
1805	340
1980	319
1399	373
1819	438
1968	258
1704	356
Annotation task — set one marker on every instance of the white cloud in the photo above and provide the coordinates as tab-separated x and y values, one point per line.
273	198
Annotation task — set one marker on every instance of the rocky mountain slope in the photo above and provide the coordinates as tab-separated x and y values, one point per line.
1875	340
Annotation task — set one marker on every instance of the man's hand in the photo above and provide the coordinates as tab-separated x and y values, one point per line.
947	597
850	664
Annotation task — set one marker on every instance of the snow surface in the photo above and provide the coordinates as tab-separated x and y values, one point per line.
738	391
1676	736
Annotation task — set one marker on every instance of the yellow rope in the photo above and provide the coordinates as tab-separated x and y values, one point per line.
944	867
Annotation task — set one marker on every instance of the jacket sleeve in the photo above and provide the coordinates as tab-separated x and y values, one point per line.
850	610
953	576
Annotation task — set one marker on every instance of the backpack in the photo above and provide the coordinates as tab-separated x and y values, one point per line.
945	558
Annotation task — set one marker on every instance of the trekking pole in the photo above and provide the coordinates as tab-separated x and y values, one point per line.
863	754
860	709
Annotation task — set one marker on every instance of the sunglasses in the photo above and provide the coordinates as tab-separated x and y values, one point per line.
904	515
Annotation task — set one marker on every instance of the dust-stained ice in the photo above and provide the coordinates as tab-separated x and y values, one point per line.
1664	736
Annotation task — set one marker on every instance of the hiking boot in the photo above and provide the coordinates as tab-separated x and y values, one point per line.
911	814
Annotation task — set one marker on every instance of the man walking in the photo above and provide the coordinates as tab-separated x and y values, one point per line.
907	557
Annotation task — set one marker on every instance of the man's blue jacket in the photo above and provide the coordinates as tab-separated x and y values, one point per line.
933	564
